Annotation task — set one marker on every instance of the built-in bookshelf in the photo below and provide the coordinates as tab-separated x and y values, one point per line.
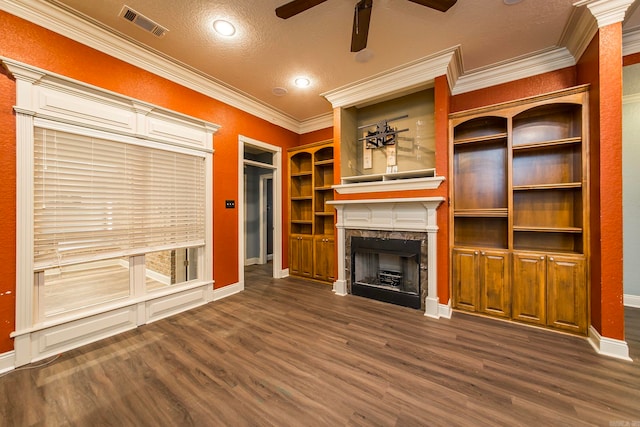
519	175
311	219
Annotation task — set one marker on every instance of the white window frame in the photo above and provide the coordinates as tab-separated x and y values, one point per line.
44	98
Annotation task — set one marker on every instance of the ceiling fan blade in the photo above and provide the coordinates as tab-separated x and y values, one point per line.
295	7
361	19
441	5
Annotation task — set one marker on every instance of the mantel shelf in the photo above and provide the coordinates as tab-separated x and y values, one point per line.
424	179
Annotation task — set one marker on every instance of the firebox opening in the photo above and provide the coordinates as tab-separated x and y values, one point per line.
386	269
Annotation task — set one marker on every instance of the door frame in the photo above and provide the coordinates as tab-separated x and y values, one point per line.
264	229
276	166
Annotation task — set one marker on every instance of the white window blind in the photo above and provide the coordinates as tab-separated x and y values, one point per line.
98	199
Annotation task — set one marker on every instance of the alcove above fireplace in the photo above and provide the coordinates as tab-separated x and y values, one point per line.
404	219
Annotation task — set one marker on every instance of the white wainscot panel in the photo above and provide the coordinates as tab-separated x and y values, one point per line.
166	306
160	127
80	332
80	110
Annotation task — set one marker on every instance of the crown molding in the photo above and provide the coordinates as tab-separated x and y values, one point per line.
316	123
631	99
631	42
69	25
516	69
606	12
579	31
412	76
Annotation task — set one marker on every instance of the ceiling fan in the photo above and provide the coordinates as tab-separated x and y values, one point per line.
361	17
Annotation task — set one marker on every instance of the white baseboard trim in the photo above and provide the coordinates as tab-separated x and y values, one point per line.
7	361
632	301
445	310
608	346
284	273
227	291
251	261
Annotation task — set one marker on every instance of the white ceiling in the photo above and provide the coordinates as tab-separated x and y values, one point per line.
270	52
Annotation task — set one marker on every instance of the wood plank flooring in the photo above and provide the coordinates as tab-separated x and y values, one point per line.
290	353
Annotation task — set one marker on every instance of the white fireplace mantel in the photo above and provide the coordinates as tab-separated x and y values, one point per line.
416	214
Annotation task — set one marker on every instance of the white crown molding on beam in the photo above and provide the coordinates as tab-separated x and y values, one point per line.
631	42
415	75
71	26
516	69
606	12
579	31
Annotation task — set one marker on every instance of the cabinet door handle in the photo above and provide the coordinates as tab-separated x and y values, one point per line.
542	258
551	259
482	253
475	252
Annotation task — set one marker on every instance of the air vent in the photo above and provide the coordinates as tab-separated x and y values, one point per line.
142	21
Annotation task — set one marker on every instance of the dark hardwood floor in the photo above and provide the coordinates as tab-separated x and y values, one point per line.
290	353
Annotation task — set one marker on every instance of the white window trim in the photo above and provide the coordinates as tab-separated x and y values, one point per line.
47	98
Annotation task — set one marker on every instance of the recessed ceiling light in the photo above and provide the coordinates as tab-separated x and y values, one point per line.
302	82
511	2
224	28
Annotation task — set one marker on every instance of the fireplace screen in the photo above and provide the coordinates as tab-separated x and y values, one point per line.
386	270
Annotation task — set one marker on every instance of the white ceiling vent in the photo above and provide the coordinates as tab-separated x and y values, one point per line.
142	21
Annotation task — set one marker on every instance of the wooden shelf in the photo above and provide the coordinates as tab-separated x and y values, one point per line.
481	139
324	163
325	188
305	173
576	230
297	198
559	186
547	144
482	213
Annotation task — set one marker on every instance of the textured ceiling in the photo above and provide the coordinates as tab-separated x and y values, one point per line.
269	52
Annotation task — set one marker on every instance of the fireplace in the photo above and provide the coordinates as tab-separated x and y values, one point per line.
410	221
386	269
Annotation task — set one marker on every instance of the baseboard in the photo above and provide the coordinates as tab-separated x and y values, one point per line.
251	261
608	346
284	273
227	291
444	310
632	301
7	361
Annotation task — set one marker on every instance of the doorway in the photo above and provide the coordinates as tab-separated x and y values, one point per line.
260	206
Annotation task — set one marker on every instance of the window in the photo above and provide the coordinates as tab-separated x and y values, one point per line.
98	202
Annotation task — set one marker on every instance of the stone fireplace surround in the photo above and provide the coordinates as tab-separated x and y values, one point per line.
395	218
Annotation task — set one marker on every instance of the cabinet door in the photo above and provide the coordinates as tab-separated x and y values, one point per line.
567	293
323	255
306	256
495	283
465	279
529	288
294	255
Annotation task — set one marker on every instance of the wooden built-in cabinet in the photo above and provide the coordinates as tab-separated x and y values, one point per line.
520	210
311	219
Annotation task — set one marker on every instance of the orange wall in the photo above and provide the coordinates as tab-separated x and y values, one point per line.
315	136
530	86
34	45
631	59
601	66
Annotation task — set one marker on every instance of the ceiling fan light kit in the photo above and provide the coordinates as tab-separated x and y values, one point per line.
361	16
